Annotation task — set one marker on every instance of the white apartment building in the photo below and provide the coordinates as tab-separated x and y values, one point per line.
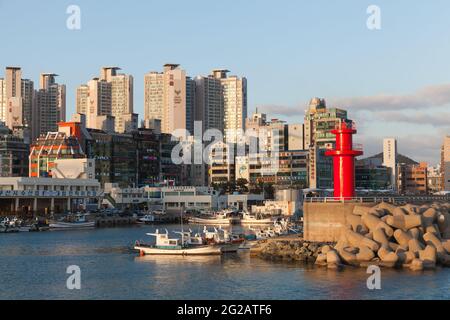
390	158
234	104
107	101
165	98
121	99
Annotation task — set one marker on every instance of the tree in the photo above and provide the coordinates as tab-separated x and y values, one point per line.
242	185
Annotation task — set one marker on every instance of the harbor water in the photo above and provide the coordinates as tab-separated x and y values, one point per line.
33	266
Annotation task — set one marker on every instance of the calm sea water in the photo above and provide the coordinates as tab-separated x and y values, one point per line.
33	266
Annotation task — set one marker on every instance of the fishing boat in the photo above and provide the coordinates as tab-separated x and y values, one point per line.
247	218
8	226
217	218
167	246
147	219
78	221
228	242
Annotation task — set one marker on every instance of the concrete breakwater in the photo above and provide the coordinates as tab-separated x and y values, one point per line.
409	236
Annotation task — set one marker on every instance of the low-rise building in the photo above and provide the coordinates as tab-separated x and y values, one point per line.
47	195
412	179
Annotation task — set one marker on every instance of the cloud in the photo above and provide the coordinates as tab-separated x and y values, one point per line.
417	147
279	110
427	97
437	119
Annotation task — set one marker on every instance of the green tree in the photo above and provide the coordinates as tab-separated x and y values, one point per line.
241	185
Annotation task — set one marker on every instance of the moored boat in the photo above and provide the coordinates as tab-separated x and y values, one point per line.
219	218
167	246
247	218
77	222
147	219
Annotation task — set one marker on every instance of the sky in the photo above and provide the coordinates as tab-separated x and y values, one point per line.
395	81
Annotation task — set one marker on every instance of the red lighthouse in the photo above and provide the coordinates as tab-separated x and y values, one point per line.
344	161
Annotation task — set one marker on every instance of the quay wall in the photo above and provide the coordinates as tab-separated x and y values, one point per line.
323	222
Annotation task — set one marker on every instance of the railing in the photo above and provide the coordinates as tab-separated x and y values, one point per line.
403	199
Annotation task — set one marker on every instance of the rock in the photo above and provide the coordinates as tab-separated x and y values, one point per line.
333	257
416	265
415	246
404	222
404	256
342	243
356	223
357	240
380	237
399	211
443	222
414	233
428	256
411	209
377	212
393	246
325	249
433	229
321	259
347	257
386	206
386	255
373	223
446	245
364	254
432	240
402	237
429	216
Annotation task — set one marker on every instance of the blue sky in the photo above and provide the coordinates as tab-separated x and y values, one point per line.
394	81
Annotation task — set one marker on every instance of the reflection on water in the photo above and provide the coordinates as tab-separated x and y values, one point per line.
178	260
33	266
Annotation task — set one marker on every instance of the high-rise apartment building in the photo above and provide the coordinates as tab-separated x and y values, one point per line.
28	105
121	99
319	122
390	159
17	101
445	164
11	99
107	101
82	99
165	98
94	100
50	105
209	105
234	104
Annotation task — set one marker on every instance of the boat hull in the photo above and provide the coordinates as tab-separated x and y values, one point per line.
69	225
210	222
203	250
256	222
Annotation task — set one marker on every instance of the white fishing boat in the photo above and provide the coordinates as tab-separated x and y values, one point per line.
8	225
247	218
167	246
158	212
218	218
76	222
221	237
147	219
